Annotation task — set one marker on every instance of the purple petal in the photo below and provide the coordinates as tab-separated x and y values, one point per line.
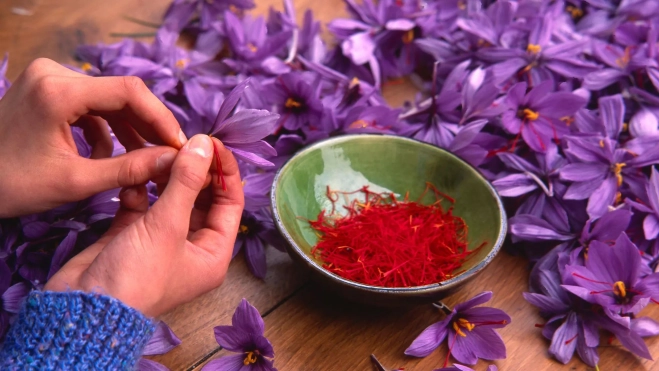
226	363
505	70
602	198
12	299
247	126
246	153
514	185
359	48
650	227
643	123
560	104
230	102
196	95
428	340
400	24
63	252
162	341
652	189
563	343
255	257
582	172
487	343
247	319
645	327
532	228
463	348
545	303
479	299
612	112
496	317
148	365
232	338
601	79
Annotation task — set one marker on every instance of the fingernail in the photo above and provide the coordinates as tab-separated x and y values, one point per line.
200	144
182	138
165	161
129	192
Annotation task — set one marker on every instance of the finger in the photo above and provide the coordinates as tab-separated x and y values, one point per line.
97	135
128	97
134	203
187	177
88	177
126	134
226	207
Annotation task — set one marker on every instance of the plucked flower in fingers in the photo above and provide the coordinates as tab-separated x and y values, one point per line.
245	337
470	331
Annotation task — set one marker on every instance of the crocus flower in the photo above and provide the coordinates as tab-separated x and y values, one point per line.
470	332
651	221
162	341
11	296
611	279
244	336
256	231
540	115
242	132
180	12
621	63
296	99
253	49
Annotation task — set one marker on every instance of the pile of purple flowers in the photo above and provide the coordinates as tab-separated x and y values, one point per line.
555	101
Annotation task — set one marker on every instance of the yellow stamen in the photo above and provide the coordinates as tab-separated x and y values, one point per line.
243	182
181	63
568	120
244	229
625	126
602	143
617	170
252	47
458	330
358	124
462	5
574	11
408	37
619	289
533	48
249	359
530	114
86	67
618	199
354	82
292	103
528	67
466	324
623	61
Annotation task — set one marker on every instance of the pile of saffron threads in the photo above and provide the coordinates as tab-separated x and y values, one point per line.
384	242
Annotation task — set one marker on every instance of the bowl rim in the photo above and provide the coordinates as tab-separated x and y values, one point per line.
439	286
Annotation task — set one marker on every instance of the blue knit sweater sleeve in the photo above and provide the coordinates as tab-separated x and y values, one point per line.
75	331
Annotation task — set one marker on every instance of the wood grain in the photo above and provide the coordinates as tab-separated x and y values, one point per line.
314	331
310	330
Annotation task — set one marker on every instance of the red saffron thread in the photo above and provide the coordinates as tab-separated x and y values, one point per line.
385	242
220	173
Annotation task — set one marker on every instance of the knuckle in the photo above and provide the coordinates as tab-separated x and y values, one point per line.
190	178
39	67
44	89
133	85
131	172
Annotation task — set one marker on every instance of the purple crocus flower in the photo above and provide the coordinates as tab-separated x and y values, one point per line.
651	220
256	231
242	132
256	187
244	336
611	279
180	12
540	116
4	82
470	332
296	98
162	341
621	64
573	324
253	50
540	60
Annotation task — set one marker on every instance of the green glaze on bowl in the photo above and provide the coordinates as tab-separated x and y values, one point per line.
384	163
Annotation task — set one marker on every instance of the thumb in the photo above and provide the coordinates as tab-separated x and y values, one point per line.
186	180
127	170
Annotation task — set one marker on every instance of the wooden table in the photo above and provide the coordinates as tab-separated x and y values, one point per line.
309	330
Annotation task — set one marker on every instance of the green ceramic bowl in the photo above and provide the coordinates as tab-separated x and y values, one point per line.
385	163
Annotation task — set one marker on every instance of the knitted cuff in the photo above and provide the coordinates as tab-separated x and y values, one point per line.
75	331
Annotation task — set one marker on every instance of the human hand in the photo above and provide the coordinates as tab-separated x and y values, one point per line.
40	164
155	259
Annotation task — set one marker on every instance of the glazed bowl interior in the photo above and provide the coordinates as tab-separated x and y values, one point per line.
386	164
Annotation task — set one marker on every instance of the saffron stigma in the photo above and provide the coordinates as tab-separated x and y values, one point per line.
386	242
